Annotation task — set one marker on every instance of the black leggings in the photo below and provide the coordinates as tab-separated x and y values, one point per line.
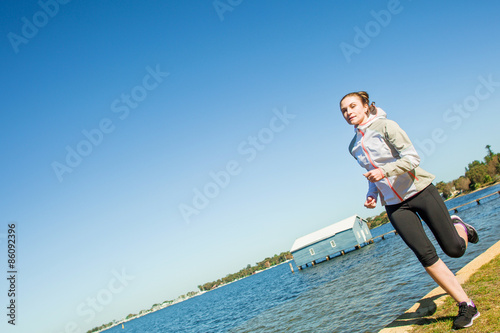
429	205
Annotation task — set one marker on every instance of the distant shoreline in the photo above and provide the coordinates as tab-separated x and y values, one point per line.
185	299
479	189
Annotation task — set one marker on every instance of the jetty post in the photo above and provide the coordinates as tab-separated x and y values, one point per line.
478	201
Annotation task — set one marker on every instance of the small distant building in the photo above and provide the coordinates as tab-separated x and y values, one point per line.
351	233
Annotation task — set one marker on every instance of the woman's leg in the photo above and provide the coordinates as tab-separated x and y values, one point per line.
447	280
452	239
431	208
408	225
462	233
410	228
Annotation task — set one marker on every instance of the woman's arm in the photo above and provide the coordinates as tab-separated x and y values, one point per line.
371	196
408	156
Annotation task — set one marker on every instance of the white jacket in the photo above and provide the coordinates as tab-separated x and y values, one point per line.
381	143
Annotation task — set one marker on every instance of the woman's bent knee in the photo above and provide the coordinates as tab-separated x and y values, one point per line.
455	252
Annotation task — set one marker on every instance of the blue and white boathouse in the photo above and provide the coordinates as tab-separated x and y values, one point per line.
348	234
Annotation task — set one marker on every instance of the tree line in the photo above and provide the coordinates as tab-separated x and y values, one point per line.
477	174
247	271
100	328
375	221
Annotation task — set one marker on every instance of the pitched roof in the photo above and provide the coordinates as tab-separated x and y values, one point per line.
324	233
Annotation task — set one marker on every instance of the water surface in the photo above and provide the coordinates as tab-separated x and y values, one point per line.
362	291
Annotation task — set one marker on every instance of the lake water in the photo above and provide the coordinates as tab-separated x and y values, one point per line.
362	291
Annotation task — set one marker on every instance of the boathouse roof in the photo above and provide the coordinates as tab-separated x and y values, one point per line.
324	233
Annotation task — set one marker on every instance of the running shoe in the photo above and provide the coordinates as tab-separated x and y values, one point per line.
472	235
466	315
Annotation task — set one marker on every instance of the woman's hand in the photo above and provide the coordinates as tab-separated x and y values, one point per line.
371	202
374	175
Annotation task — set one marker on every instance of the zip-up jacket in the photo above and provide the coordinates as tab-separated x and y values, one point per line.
381	143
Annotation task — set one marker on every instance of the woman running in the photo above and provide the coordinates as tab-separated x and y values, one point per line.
406	190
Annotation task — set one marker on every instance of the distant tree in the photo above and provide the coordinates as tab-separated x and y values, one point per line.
445	189
462	183
490	155
493	166
375	221
487	179
476	172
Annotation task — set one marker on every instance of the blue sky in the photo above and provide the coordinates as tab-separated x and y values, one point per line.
156	96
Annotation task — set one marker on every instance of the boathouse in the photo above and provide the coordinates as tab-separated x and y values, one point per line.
348	234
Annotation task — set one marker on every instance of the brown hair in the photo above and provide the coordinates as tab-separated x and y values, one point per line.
364	98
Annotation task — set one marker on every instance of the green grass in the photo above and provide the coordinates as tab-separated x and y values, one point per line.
484	288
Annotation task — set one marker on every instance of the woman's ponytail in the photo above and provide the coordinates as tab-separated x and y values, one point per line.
366	100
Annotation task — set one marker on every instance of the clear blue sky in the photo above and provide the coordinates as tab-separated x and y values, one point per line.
171	91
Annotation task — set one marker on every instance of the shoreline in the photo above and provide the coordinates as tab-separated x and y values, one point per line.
479	189
436	297
122	321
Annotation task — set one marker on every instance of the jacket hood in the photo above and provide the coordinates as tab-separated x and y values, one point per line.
379	113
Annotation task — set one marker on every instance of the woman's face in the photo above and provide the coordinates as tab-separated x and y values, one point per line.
353	110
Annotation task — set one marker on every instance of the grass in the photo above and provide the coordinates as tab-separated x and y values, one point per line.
484	288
